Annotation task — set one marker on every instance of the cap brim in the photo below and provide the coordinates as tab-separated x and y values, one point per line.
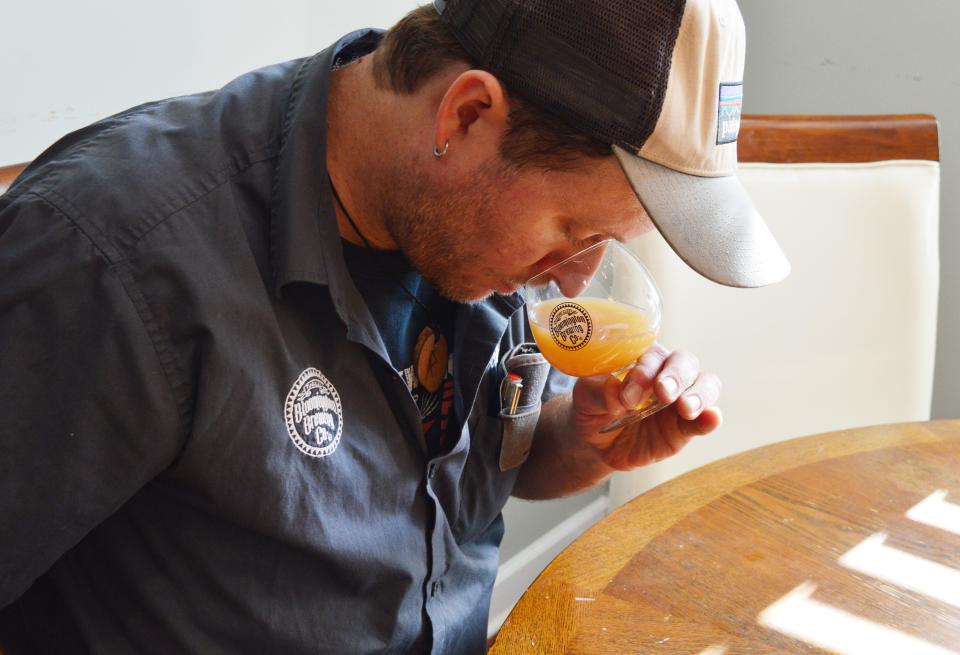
709	222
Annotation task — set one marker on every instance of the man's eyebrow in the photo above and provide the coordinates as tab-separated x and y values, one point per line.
585	243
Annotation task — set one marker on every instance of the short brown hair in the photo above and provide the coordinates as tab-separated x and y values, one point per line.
419	46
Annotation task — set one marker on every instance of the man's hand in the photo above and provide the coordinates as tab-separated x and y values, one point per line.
569	454
676	380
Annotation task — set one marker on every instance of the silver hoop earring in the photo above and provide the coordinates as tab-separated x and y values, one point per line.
440	153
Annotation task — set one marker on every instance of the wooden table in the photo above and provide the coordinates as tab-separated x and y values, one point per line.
799	547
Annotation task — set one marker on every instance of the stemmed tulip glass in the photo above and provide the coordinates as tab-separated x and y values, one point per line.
596	313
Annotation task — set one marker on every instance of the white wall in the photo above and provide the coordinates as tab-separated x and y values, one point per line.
66	64
883	56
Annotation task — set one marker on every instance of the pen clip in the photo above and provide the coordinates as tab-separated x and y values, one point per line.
510	390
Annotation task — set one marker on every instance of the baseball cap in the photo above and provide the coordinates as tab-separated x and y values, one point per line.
661	81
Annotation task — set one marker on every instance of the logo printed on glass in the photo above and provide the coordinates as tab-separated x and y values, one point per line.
728	118
313	414
570	326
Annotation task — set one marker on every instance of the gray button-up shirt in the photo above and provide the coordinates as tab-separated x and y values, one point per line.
204	447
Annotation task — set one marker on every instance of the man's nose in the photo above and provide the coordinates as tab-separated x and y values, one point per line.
575	270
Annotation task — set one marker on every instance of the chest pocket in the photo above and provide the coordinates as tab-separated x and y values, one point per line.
484	488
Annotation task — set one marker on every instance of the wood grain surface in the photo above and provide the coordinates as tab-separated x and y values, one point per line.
689	566
837	139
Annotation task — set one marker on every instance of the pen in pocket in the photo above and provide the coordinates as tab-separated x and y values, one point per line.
510	390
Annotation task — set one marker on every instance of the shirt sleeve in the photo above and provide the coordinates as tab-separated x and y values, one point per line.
87	412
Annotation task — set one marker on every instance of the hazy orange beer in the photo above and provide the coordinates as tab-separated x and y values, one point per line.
590	336
596	313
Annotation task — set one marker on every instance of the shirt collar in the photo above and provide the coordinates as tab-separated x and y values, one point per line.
305	240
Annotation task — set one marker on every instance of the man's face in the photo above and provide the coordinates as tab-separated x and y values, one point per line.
495	228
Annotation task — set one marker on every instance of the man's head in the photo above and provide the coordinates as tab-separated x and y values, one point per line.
518	189
536	118
420	46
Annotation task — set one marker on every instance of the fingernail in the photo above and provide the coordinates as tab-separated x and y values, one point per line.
669	385
693	403
631	395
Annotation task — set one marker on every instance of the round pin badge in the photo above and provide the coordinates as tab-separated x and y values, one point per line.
430	357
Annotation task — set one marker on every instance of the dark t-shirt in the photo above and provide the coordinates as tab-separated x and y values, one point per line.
388	283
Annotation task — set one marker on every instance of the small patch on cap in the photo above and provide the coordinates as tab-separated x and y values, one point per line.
728	115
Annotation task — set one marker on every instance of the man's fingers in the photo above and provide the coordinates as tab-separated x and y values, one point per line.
676	432
638	384
590	395
651	362
703	393
598	405
679	372
708	421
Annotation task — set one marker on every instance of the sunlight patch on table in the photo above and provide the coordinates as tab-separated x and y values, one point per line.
799	616
883	562
714	650
934	510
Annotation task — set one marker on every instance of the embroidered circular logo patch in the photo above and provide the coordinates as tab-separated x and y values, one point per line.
313	414
570	326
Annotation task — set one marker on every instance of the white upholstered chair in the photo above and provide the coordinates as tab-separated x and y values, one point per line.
848	339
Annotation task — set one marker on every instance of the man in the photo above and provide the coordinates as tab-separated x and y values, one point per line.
253	339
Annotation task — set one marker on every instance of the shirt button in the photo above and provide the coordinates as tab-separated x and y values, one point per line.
432	471
436	588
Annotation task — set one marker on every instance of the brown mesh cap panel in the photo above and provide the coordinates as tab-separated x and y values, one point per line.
601	65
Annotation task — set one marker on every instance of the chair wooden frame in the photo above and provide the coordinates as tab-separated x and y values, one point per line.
837	139
8	174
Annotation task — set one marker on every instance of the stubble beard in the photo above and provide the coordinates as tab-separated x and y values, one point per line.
442	231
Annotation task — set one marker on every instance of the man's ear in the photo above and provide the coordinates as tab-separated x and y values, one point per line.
475	104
